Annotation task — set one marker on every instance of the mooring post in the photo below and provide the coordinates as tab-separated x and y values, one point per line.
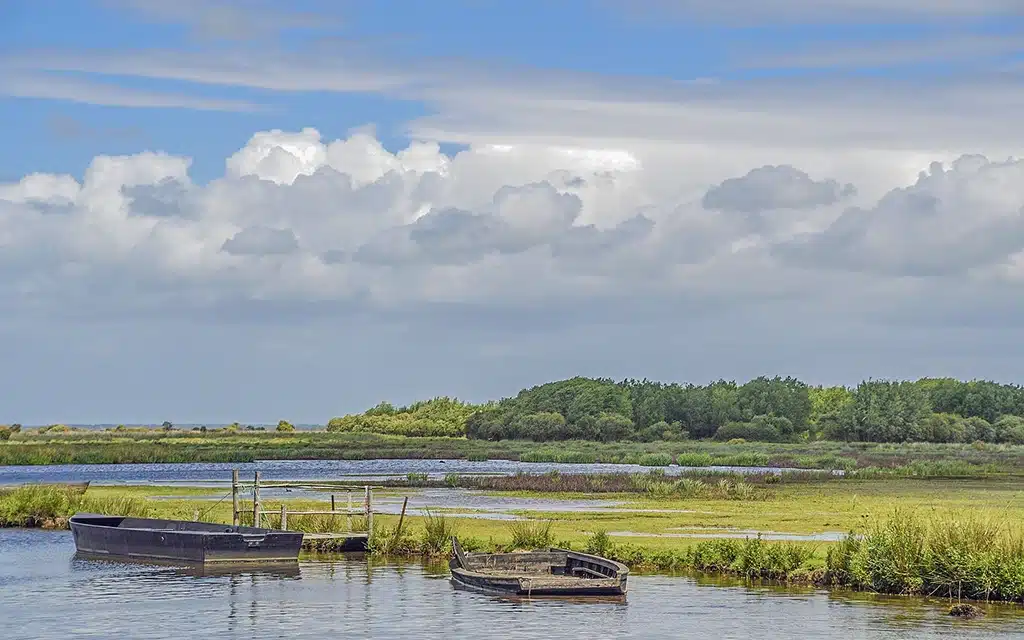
398	531
284	518
368	509
348	518
234	498
257	515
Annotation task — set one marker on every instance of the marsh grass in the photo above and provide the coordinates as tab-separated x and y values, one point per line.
51	506
752	558
655	460
530	534
438	532
156	445
967	557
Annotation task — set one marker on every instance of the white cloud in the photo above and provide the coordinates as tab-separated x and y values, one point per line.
759	12
56	87
299	220
942	47
225	19
491	104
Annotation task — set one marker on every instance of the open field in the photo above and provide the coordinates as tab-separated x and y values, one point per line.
155	446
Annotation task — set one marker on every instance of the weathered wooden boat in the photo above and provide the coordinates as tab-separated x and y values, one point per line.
554	572
181	541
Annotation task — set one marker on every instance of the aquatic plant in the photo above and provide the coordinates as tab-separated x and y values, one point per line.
530	534
438	532
655	460
956	558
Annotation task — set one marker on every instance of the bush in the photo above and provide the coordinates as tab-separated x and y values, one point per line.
439	417
285	426
754	431
1009	430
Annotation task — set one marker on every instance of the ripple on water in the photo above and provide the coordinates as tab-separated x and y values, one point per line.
45	594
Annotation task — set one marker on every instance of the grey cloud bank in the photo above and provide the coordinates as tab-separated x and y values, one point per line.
317	277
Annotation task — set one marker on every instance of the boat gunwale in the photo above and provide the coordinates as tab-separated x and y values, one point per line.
237	531
460	570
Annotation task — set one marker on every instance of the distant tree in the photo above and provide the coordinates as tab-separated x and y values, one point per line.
167	425
284	425
884	411
1010	429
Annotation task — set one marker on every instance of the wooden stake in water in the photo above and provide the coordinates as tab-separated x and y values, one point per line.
235	497
257	515
349	512
284	518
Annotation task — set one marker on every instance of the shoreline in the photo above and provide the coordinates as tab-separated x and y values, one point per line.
982	516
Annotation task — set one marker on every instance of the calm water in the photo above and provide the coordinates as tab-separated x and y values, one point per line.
45	593
217	473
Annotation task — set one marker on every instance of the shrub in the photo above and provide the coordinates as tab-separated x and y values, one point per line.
757	432
1010	429
285	426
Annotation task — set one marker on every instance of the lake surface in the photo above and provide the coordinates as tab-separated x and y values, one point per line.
46	593
217	473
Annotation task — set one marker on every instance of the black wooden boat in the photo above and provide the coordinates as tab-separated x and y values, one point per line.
554	572
181	541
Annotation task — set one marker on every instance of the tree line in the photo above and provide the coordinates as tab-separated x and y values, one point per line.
763	409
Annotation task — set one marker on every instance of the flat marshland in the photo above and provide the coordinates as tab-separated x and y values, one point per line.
958	538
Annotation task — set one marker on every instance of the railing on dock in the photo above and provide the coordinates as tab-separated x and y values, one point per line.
258	511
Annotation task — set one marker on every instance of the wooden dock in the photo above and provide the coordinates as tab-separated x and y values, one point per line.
343	541
335	542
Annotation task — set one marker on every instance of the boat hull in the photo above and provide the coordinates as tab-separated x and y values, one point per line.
181	541
556	572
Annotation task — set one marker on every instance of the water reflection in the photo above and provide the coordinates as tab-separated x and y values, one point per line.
46	593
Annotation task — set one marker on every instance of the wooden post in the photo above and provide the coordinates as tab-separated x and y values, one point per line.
284	517
348	518
234	498
257	515
398	531
369	510
332	502
195	515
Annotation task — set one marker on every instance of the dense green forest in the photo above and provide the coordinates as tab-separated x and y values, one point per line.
763	409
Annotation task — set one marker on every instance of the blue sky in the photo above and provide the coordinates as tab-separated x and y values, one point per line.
847	91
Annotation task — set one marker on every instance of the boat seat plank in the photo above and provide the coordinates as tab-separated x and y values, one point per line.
589	572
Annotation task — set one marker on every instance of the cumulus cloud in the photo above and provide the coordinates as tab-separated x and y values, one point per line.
950	221
261	241
299	220
769	187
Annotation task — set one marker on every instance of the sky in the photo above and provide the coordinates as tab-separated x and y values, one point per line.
216	211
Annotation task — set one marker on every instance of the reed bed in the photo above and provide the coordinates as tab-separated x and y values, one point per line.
966	557
50	507
29	447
